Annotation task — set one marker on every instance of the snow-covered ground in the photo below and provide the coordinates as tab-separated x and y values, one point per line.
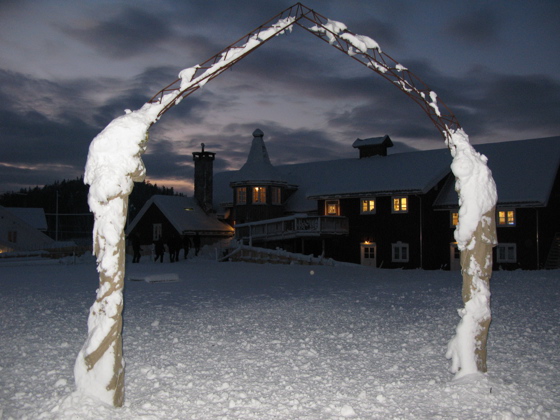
239	341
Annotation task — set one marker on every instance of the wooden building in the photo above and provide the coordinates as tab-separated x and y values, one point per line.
393	210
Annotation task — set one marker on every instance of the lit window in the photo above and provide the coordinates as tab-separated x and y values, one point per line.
506	253
241	195
454	218
400	252
368	206
506	217
259	195
332	208
276	195
400	204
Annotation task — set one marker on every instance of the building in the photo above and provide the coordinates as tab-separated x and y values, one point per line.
393	210
21	230
177	218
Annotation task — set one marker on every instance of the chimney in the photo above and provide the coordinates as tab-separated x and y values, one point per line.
374	146
204	178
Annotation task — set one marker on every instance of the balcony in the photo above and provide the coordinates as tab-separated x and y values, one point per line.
290	227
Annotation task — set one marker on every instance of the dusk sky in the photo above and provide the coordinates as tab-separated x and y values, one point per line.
68	68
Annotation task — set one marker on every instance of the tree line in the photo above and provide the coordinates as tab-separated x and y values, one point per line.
68	200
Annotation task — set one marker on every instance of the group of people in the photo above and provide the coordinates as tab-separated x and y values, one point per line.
173	246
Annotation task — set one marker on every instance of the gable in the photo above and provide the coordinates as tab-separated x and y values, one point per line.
183	213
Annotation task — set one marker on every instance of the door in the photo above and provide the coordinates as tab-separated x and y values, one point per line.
368	254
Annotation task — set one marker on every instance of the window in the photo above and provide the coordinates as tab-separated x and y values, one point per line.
276	195
259	195
157	230
400	252
506	253
12	236
241	195
400	204
368	206
332	208
506	217
454	218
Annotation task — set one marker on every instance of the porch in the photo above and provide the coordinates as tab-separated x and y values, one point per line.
291	227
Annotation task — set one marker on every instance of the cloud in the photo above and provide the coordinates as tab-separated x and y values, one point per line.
480	27
130	32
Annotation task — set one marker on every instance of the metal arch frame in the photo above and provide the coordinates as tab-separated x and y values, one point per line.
376	60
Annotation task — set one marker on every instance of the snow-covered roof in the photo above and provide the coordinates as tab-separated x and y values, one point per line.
33	216
183	213
258	166
524	172
373	141
410	173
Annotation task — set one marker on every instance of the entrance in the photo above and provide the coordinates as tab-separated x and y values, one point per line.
368	253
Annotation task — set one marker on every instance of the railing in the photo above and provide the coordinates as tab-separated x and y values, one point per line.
292	227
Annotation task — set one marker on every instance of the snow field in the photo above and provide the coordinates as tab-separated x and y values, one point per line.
240	341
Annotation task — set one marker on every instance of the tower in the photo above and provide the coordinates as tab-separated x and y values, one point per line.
204	178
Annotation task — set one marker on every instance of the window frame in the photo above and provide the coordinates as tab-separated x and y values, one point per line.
336	204
401	199
241	195
400	246
259	194
453	218
157	231
506	218
505	247
369	210
276	195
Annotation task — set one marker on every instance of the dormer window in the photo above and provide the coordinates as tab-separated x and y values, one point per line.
400	204
332	208
259	195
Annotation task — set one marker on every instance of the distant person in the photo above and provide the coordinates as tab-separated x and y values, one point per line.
177	244
171	248
196	243
186	245
159	249
136	248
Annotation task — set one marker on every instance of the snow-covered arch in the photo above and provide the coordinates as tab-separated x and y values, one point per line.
114	163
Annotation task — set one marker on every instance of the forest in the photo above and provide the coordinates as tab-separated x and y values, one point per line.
66	207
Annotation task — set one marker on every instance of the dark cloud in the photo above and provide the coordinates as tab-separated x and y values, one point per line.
130	32
479	27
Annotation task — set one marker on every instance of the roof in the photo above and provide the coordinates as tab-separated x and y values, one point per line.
373	141
183	213
258	166
405	173
28	237
524	172
33	216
